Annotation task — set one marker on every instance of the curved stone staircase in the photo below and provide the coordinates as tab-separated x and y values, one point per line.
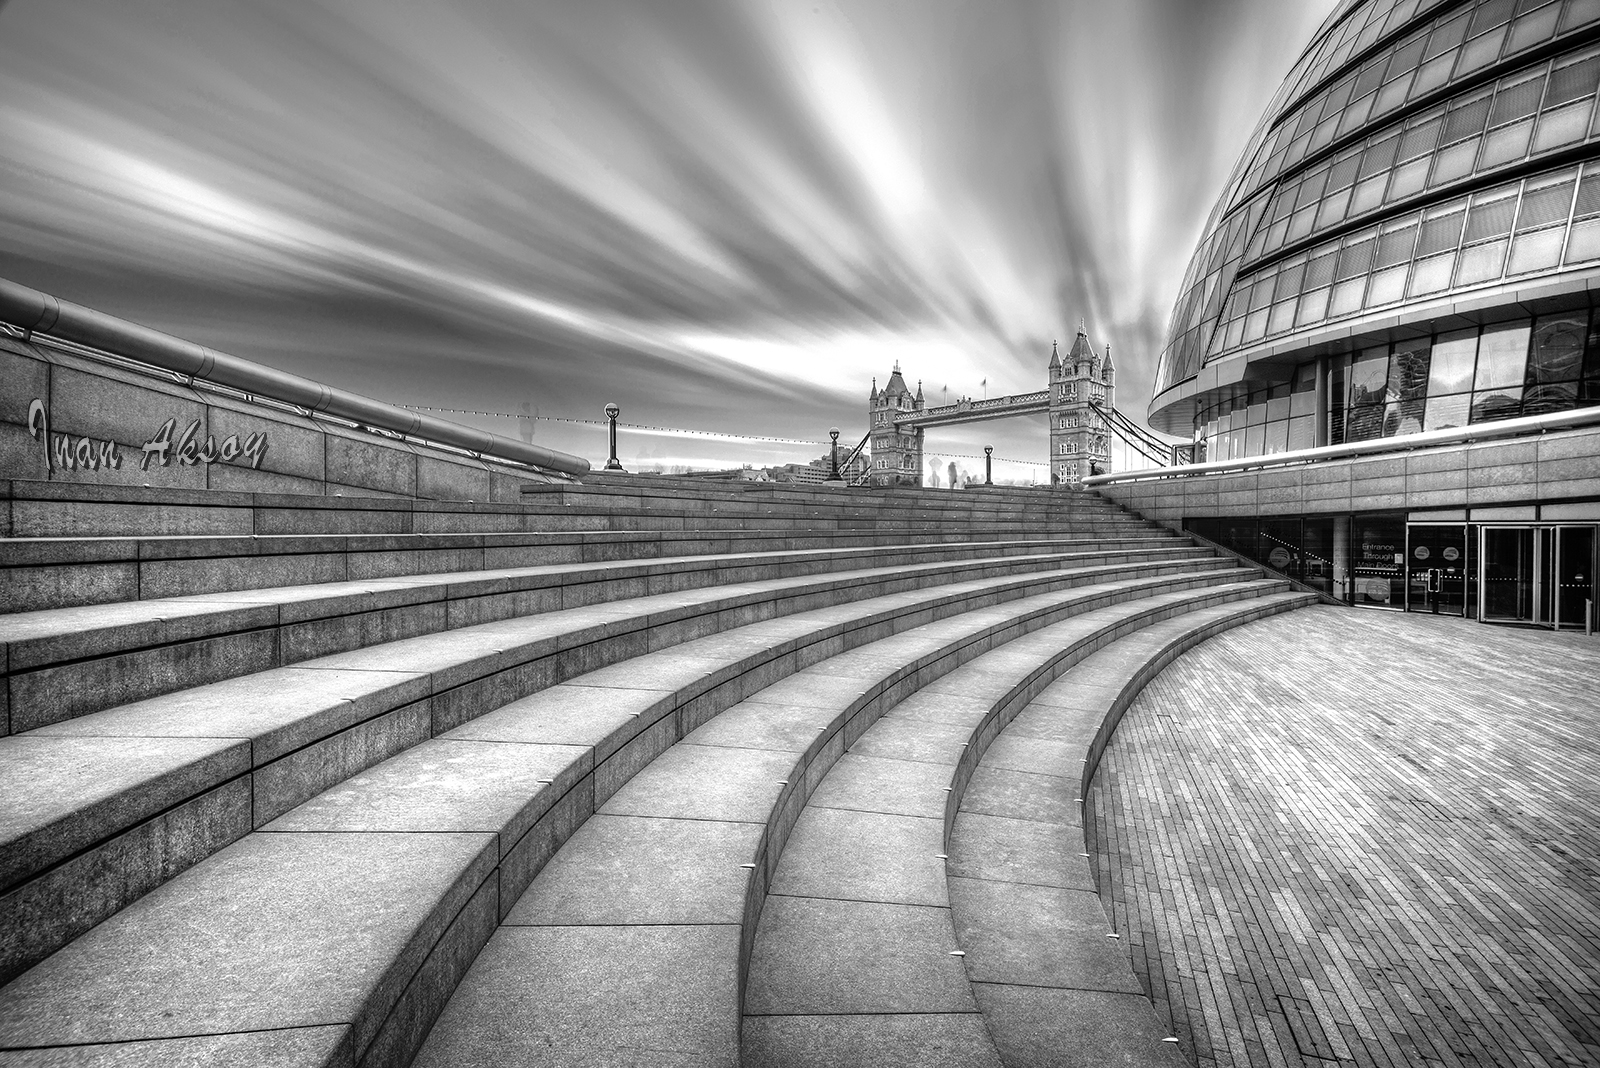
639	772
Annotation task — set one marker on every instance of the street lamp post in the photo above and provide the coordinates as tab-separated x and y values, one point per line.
988	465
833	454
612	411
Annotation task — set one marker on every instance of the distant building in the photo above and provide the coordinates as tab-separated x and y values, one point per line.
896	451
1080	440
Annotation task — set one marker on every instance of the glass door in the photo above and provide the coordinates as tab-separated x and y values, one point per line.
1543	575
1436	569
1574	575
1507	588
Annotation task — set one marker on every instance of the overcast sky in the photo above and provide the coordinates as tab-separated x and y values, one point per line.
725	215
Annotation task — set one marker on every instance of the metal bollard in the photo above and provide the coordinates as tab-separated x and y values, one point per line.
1588	617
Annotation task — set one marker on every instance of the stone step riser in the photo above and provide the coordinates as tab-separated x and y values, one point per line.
840	732
1011	913
856	720
389	1032
1017	699
53	681
43	575
61	901
41	519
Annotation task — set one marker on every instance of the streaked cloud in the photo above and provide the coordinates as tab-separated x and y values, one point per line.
727	214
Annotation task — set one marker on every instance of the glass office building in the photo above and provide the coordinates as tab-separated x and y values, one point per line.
1410	242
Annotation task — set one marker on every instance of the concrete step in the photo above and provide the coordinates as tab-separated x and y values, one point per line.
638	932
108	805
62	572
45	573
65	662
361	907
53	509
1046	970
859	923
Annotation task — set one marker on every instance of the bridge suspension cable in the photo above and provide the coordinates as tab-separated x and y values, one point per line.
1134	436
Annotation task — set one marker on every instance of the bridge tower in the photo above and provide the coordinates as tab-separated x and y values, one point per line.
896	451
1078	437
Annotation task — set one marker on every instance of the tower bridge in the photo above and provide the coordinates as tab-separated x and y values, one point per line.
1081	392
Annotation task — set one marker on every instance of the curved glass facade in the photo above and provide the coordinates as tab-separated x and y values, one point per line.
1415	151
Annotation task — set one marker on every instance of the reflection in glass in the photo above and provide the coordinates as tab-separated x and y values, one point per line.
1555	363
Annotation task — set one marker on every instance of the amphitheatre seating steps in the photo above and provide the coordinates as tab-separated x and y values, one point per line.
364	904
877	911
50	509
1052	981
280	766
68	661
108	804
637	933
45	573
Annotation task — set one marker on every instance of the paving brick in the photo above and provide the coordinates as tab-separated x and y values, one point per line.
1347	838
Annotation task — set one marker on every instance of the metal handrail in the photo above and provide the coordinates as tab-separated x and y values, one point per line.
1500	428
36	312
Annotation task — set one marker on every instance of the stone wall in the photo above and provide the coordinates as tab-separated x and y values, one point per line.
1556	474
67	419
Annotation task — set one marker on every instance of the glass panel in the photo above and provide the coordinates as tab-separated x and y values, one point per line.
1402	417
1253	440
1396	243
1369	376
1481	263
1364	422
1573	81
1555	363
1537	251
1532	28
1562	126
1454	162
1506	144
1313	307
1277	436
1347	297
1546	201
1491	215
1301	432
1378	552
1387	286
1408	179
1408	370
1432	274
1503	355
1448	411
1574	574
1508	573
1517	100
1454	355
1437	569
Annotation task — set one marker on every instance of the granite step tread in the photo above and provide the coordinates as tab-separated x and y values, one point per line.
472	818
861	914
79	818
53	573
663	853
71	668
1045	967
30	639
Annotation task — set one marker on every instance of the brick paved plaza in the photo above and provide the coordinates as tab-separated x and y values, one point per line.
1347	837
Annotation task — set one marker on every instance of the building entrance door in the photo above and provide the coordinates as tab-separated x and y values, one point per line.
1436	569
1542	575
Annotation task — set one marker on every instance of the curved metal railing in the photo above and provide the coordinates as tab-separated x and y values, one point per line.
1500	428
36	312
